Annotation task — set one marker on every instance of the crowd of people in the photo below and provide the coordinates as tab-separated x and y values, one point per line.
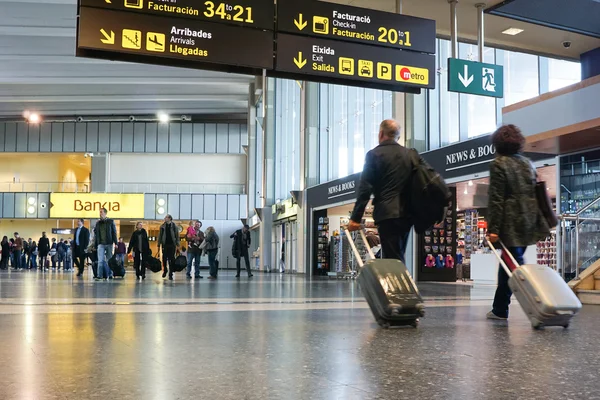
107	252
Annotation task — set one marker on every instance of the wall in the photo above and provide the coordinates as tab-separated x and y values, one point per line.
563	111
33	228
177	169
590	63
122	137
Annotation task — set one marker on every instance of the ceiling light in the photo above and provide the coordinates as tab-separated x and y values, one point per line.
466	191
512	31
34	118
164	118
160	210
161	202
31	210
470	183
31	201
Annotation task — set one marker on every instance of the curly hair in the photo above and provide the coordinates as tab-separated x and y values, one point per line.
508	140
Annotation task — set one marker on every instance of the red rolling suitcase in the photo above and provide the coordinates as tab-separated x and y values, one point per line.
389	289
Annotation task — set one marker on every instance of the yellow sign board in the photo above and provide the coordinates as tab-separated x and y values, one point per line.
88	205
412	74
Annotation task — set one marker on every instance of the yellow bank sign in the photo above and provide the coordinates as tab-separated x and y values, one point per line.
88	205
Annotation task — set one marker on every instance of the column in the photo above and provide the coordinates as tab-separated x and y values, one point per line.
100	172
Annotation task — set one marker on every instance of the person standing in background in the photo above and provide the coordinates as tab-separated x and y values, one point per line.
26	262
168	239
212	248
61	252
17	250
121	252
194	237
105	240
44	250
80	245
241	244
5	253
53	251
141	249
33	253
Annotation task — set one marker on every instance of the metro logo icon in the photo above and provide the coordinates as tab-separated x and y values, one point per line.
416	75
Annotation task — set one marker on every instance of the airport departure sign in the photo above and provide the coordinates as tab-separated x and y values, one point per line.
362	25
250	13
354	62
177	38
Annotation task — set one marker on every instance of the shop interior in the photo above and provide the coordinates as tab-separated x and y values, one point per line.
473	258
333	256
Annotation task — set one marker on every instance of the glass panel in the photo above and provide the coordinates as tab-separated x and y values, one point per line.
521	80
562	73
478	113
449	112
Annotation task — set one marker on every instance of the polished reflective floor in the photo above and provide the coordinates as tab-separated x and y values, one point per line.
275	337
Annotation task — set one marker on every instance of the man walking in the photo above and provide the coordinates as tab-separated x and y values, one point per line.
386	175
194	237
168	239
80	245
241	244
105	240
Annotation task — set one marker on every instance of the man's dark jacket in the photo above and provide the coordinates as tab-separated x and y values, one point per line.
386	175
111	233
238	249
84	241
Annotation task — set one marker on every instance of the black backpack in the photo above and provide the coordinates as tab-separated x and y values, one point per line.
429	195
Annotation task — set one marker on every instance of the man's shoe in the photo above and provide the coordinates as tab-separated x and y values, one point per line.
188	276
250	276
494	317
199	277
165	274
237	276
170	278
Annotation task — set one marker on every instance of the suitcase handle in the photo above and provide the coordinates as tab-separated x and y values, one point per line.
502	263
355	250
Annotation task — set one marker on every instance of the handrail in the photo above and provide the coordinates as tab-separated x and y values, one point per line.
574	232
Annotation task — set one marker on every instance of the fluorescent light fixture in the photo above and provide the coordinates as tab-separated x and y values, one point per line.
161	202
31	210
31	201
466	191
161	210
512	31
470	183
163	117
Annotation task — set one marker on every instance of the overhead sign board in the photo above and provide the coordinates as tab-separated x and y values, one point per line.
477	78
362	25
88	205
353	62
159	37
249	13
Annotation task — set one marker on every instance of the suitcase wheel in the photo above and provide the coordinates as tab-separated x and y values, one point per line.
383	324
537	325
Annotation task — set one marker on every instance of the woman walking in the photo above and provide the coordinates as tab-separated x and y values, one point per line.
5	253
514	216
141	249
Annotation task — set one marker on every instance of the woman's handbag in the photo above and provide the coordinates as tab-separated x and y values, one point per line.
545	204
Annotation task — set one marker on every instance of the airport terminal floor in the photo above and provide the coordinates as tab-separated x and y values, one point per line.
275	337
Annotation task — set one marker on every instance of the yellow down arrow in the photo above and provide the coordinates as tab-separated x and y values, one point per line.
300	24
300	62
108	39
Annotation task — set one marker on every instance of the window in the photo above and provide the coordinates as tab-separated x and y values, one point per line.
478	113
562	73
521	78
287	137
348	125
449	112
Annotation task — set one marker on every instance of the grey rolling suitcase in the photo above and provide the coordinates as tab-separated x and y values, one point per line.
544	295
389	289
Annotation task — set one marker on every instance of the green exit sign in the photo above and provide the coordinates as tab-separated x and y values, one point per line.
477	78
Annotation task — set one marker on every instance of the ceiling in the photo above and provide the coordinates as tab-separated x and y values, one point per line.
534	38
39	71
582	16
